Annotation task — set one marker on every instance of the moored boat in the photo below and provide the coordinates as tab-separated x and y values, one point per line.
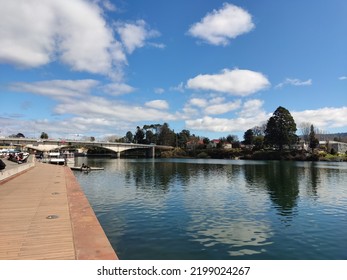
86	168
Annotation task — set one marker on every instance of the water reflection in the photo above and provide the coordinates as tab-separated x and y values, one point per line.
218	209
281	182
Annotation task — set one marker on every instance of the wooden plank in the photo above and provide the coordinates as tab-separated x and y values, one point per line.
29	230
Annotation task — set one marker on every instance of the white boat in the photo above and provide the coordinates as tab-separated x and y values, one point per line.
57	158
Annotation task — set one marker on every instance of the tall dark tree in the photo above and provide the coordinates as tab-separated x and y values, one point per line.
206	140
314	142
151	137
139	135
129	137
18	135
248	137
183	138
166	136
44	135
280	129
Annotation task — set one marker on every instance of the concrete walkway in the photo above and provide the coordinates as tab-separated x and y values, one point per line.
44	214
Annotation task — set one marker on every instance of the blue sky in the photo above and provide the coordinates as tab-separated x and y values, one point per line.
102	67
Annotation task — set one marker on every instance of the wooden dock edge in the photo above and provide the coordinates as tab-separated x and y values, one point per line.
90	240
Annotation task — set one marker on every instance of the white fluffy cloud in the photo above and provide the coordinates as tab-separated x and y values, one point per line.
109	5
158	104
235	82
99	107
219	26
294	82
253	109
221	124
60	89
251	113
323	118
134	35
223	108
198	102
116	89
214	106
57	89
34	33
77	97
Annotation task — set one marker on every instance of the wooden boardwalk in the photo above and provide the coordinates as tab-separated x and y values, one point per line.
45	215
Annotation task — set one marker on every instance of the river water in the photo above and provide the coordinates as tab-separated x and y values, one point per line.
220	209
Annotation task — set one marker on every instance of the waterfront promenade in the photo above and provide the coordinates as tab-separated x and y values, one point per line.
44	214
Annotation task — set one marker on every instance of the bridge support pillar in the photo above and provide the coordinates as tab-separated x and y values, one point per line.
117	154
151	152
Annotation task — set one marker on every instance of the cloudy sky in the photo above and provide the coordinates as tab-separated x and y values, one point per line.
102	67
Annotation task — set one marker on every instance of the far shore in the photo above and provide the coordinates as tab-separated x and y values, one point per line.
292	155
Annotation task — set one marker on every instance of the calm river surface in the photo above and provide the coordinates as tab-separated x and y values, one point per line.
220	209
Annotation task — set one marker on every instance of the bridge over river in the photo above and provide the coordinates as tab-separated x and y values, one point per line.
45	145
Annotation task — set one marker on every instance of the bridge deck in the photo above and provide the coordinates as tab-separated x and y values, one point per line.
45	215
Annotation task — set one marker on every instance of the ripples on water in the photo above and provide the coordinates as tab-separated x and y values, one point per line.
220	209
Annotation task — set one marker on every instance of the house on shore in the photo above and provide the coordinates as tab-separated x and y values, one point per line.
213	144
338	147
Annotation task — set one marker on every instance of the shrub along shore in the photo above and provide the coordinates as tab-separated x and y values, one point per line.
253	155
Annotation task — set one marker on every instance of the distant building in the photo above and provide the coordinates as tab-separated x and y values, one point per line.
194	144
213	143
339	147
301	146
227	146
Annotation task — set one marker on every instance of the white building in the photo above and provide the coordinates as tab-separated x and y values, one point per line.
339	147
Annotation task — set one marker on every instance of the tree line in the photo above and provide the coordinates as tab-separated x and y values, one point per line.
279	132
162	134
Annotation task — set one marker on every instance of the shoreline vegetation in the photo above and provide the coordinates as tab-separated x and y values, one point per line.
234	153
274	140
289	155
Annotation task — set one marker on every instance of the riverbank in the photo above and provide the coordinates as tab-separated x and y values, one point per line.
253	155
47	216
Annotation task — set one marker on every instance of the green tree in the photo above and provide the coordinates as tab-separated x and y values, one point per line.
248	137
259	130
305	131
313	141
166	136
151	137
206	140
280	129
258	142
44	135
183	138
139	135
129	137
